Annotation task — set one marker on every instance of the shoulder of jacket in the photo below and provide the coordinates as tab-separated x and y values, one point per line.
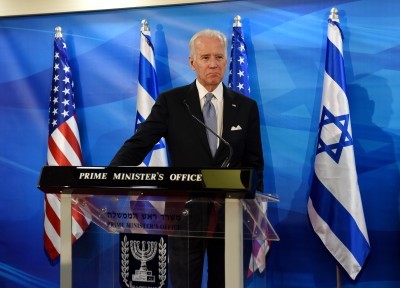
239	96
178	89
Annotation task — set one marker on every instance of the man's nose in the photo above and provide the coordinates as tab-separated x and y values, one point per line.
213	62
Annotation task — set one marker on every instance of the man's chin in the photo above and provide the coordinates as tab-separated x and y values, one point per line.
214	80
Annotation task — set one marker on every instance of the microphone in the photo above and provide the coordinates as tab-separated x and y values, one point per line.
227	160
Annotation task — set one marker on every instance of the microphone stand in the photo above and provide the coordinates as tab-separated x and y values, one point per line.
227	160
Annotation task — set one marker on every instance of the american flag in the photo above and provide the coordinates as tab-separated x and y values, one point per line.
238	75
64	148
334	206
239	81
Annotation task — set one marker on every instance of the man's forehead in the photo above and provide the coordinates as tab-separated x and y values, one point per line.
208	53
206	48
202	39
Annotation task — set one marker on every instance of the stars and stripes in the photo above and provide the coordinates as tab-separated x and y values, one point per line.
64	148
238	75
239	81
334	206
259	252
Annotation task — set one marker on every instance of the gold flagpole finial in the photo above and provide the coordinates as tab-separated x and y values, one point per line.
334	16
237	22
145	26
58	32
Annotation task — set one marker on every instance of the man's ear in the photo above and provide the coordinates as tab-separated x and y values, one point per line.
191	61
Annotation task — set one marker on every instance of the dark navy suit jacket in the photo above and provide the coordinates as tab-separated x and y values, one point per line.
187	139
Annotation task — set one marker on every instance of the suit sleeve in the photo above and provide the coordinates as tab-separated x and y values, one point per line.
135	149
253	156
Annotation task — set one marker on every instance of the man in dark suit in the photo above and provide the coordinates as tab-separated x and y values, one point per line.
237	122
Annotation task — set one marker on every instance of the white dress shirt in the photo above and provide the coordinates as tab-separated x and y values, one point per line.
217	101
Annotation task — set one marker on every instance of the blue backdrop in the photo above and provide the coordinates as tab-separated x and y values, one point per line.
286	42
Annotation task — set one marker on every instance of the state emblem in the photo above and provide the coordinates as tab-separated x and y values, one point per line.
143	260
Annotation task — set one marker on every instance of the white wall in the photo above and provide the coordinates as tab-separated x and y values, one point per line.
32	7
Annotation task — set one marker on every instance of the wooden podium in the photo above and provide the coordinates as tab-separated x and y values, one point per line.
109	196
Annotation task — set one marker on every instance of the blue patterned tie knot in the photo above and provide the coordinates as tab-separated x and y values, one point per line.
210	119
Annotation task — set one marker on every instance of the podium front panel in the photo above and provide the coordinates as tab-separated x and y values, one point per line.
124	250
159	230
143	225
170	215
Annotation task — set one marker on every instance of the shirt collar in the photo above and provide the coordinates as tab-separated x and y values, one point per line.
218	92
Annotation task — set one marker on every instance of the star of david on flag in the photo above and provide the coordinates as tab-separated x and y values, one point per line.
333	134
334	206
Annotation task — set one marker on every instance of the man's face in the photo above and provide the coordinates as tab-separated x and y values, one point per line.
209	61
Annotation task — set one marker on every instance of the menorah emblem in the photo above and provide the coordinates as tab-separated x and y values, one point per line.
143	255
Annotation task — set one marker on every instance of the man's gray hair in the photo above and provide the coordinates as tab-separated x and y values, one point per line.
207	33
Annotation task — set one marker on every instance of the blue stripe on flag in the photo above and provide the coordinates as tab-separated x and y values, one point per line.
342	224
148	41
148	77
148	82
334	65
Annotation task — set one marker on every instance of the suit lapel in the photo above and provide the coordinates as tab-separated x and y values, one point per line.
229	114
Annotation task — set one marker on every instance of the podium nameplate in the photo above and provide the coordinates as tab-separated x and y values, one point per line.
149	180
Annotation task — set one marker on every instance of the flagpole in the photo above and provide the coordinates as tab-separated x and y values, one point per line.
338	278
65	228
233	230
335	17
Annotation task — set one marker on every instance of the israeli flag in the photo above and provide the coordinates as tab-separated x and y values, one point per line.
334	206
147	94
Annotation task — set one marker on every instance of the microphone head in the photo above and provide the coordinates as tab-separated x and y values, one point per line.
187	106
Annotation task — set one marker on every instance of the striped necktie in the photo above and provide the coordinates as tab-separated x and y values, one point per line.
210	119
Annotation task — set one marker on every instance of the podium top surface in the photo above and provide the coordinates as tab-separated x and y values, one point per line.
125	180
